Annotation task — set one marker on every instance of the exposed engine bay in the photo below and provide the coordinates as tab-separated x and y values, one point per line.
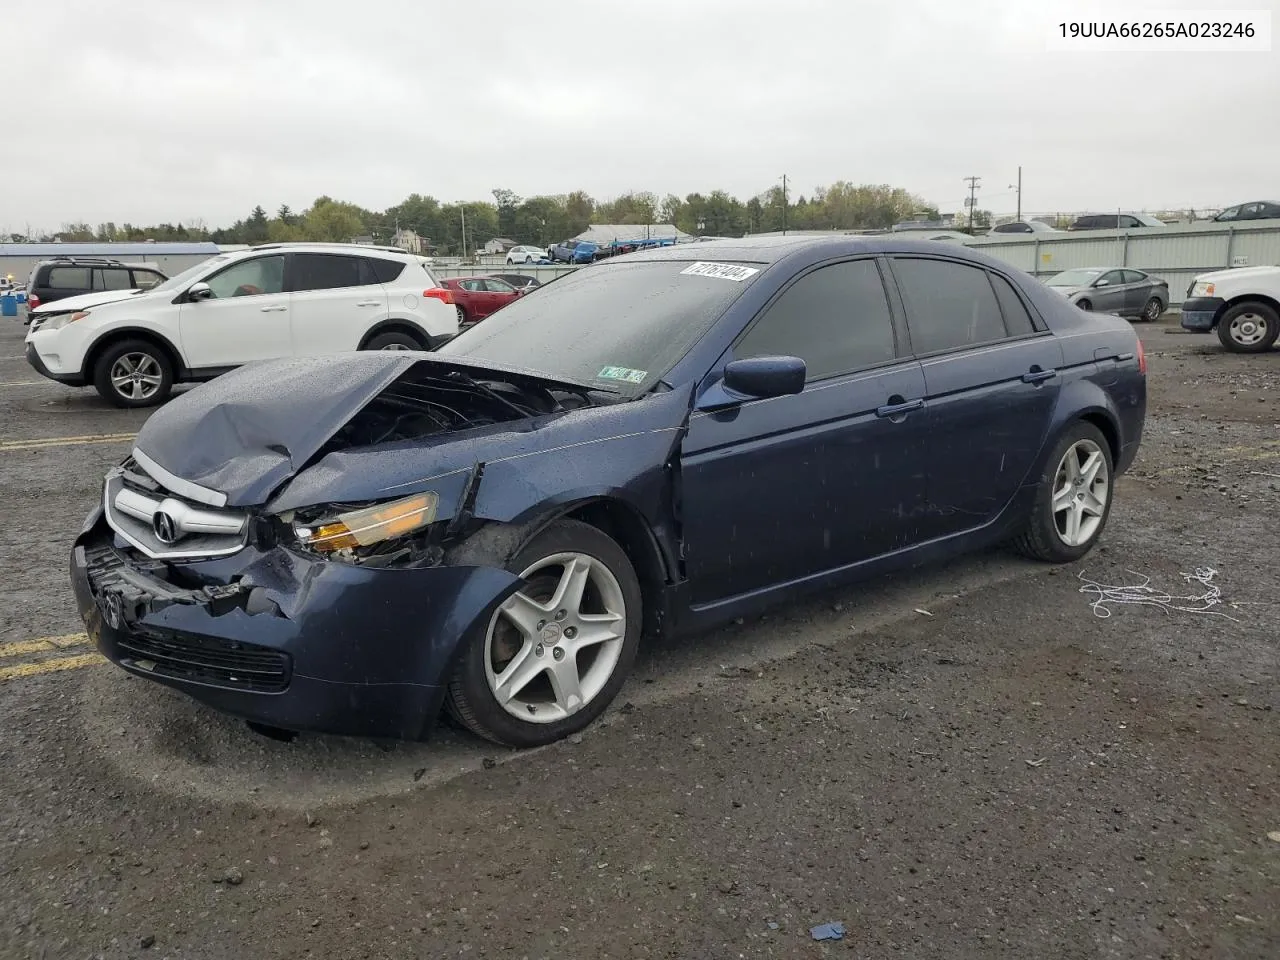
417	407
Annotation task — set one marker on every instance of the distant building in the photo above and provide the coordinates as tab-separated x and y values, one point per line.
409	241
499	245
364	241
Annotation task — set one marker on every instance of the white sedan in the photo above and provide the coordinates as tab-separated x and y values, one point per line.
524	254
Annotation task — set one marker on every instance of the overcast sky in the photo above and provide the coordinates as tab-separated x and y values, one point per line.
169	111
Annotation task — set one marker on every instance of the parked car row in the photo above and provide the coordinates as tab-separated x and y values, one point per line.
1256	210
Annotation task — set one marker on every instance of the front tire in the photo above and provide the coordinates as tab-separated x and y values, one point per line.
1073	500
1249	328
553	656
395	340
1084	304
133	373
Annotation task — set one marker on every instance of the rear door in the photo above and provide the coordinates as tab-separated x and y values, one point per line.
776	490
1137	290
247	318
991	383
334	300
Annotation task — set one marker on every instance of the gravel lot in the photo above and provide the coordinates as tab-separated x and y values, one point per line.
966	762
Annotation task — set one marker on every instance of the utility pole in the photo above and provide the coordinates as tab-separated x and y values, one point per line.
973	190
1018	190
463	208
784	204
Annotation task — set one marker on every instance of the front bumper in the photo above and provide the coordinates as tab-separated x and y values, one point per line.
70	379
284	640
1198	313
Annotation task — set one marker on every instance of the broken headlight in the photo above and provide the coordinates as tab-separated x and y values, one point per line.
369	526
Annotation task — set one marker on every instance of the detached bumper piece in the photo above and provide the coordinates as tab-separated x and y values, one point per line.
282	639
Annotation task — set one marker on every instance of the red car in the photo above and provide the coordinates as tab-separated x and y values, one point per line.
477	297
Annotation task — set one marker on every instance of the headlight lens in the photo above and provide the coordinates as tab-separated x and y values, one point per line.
370	525
1202	289
60	320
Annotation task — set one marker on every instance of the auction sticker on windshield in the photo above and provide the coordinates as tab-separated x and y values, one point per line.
723	271
622	373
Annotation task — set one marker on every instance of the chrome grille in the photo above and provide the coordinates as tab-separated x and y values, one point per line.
163	525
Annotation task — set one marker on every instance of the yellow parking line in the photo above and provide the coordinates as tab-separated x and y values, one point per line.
50	666
41	443
42	645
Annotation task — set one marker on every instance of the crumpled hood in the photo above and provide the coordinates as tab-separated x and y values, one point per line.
246	432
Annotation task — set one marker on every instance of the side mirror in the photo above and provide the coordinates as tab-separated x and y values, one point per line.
762	377
199	291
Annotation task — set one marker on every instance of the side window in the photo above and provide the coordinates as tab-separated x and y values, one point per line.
498	286
110	278
249	278
1111	278
473	285
835	319
146	279
949	305
68	278
1016	319
1133	276
328	271
1128	221
1228	214
386	271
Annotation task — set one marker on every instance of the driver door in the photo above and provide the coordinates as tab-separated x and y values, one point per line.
1108	292
247	318
778	490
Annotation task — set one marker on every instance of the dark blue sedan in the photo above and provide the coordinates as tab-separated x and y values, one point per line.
349	544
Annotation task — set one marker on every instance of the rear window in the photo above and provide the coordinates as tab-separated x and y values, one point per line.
68	278
110	278
386	270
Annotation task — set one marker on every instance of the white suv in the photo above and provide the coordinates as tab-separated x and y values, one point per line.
273	300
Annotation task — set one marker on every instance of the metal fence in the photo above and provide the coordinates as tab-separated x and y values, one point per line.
1175	253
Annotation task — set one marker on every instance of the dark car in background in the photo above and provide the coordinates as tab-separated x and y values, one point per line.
64	277
477	297
651	447
574	251
1257	210
1123	291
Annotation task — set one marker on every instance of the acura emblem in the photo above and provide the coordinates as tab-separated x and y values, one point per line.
164	527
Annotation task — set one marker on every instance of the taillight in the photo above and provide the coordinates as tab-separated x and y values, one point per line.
1142	359
443	294
32	301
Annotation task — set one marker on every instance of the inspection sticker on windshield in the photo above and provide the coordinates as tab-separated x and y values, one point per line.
622	373
724	271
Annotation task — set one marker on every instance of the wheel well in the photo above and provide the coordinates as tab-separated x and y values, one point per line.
396	326
101	346
1109	431
1248	298
622	523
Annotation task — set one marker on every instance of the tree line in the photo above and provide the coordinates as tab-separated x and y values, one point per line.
540	220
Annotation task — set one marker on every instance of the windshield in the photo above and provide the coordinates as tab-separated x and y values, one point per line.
618	326
186	276
1074	278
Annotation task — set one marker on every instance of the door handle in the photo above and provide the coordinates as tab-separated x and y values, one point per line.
898	406
277	309
1036	375
366	303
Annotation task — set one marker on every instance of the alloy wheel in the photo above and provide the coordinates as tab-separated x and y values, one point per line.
136	376
1247	329
552	647
1081	488
396	346
1153	310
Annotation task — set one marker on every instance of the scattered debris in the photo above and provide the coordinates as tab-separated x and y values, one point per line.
233	877
1144	594
147	942
1036	763
773	925
576	739
419	774
489	763
827	931
1274	836
923	612
311	818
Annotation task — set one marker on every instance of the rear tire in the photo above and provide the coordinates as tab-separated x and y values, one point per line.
1249	328
133	373
395	340
537	663
1152	311
463	318
1073	499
